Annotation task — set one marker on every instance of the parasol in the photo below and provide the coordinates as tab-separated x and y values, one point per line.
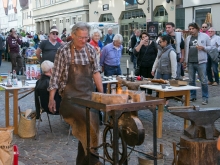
208	19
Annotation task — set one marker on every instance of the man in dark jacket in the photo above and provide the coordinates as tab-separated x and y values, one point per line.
108	38
13	44
134	39
41	90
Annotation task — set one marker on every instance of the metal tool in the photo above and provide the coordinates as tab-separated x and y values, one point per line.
202	121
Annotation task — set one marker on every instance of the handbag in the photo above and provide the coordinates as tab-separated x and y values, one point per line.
137	70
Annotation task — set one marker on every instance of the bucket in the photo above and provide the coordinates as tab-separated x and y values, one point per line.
143	160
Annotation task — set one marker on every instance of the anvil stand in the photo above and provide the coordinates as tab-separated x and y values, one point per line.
116	111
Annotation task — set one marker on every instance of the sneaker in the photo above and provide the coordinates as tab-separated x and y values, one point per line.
215	84
192	99
204	102
210	83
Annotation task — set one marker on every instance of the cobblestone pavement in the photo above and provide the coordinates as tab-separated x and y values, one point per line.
52	148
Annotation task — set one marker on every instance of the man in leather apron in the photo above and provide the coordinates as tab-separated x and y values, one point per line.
75	69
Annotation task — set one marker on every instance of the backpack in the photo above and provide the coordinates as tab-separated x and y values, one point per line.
35	36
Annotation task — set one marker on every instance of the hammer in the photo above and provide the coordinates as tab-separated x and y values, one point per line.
194	107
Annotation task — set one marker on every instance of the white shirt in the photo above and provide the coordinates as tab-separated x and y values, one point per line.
215	41
41	37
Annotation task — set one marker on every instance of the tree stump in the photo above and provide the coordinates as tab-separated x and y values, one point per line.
198	151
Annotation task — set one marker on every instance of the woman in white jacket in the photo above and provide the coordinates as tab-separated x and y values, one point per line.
165	64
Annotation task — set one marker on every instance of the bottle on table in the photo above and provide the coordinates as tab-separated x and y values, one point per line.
14	78
9	79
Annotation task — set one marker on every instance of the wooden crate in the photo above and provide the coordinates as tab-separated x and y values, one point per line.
178	83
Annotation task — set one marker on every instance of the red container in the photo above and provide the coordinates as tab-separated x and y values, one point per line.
16	154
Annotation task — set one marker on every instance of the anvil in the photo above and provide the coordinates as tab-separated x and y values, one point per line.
202	121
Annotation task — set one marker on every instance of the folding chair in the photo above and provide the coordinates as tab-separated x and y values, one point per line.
40	120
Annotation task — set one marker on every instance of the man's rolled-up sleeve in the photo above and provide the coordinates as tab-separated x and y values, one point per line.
57	70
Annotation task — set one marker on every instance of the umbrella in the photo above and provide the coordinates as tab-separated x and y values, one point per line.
208	19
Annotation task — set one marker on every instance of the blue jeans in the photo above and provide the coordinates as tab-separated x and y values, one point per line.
211	65
201	70
163	76
1	51
178	71
112	70
133	59
36	45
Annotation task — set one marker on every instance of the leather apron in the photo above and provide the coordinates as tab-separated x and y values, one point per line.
80	84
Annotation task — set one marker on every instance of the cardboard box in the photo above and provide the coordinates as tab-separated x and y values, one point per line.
178	83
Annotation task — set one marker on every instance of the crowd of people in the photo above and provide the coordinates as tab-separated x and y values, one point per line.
73	64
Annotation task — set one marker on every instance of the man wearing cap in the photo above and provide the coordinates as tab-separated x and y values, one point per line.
49	47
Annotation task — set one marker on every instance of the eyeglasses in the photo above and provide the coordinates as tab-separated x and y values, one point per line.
55	34
204	27
210	31
81	38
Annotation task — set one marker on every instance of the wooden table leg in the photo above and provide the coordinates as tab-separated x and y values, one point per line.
109	88
160	118
15	108
108	92
6	108
187	100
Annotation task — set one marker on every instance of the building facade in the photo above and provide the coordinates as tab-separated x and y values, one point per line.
27	16
3	18
196	11
60	13
10	15
133	16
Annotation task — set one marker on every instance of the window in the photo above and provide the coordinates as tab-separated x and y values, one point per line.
160	11
180	18
79	18
38	3
74	20
127	4
46	2
107	18
200	15
133	14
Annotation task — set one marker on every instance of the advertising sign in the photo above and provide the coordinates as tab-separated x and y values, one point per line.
152	28
32	71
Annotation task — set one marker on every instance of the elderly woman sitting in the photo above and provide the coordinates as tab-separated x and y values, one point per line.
41	90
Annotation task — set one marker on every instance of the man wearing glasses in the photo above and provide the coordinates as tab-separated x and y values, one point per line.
205	28
75	69
196	47
49	47
213	65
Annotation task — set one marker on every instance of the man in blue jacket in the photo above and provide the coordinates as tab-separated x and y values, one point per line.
108	37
